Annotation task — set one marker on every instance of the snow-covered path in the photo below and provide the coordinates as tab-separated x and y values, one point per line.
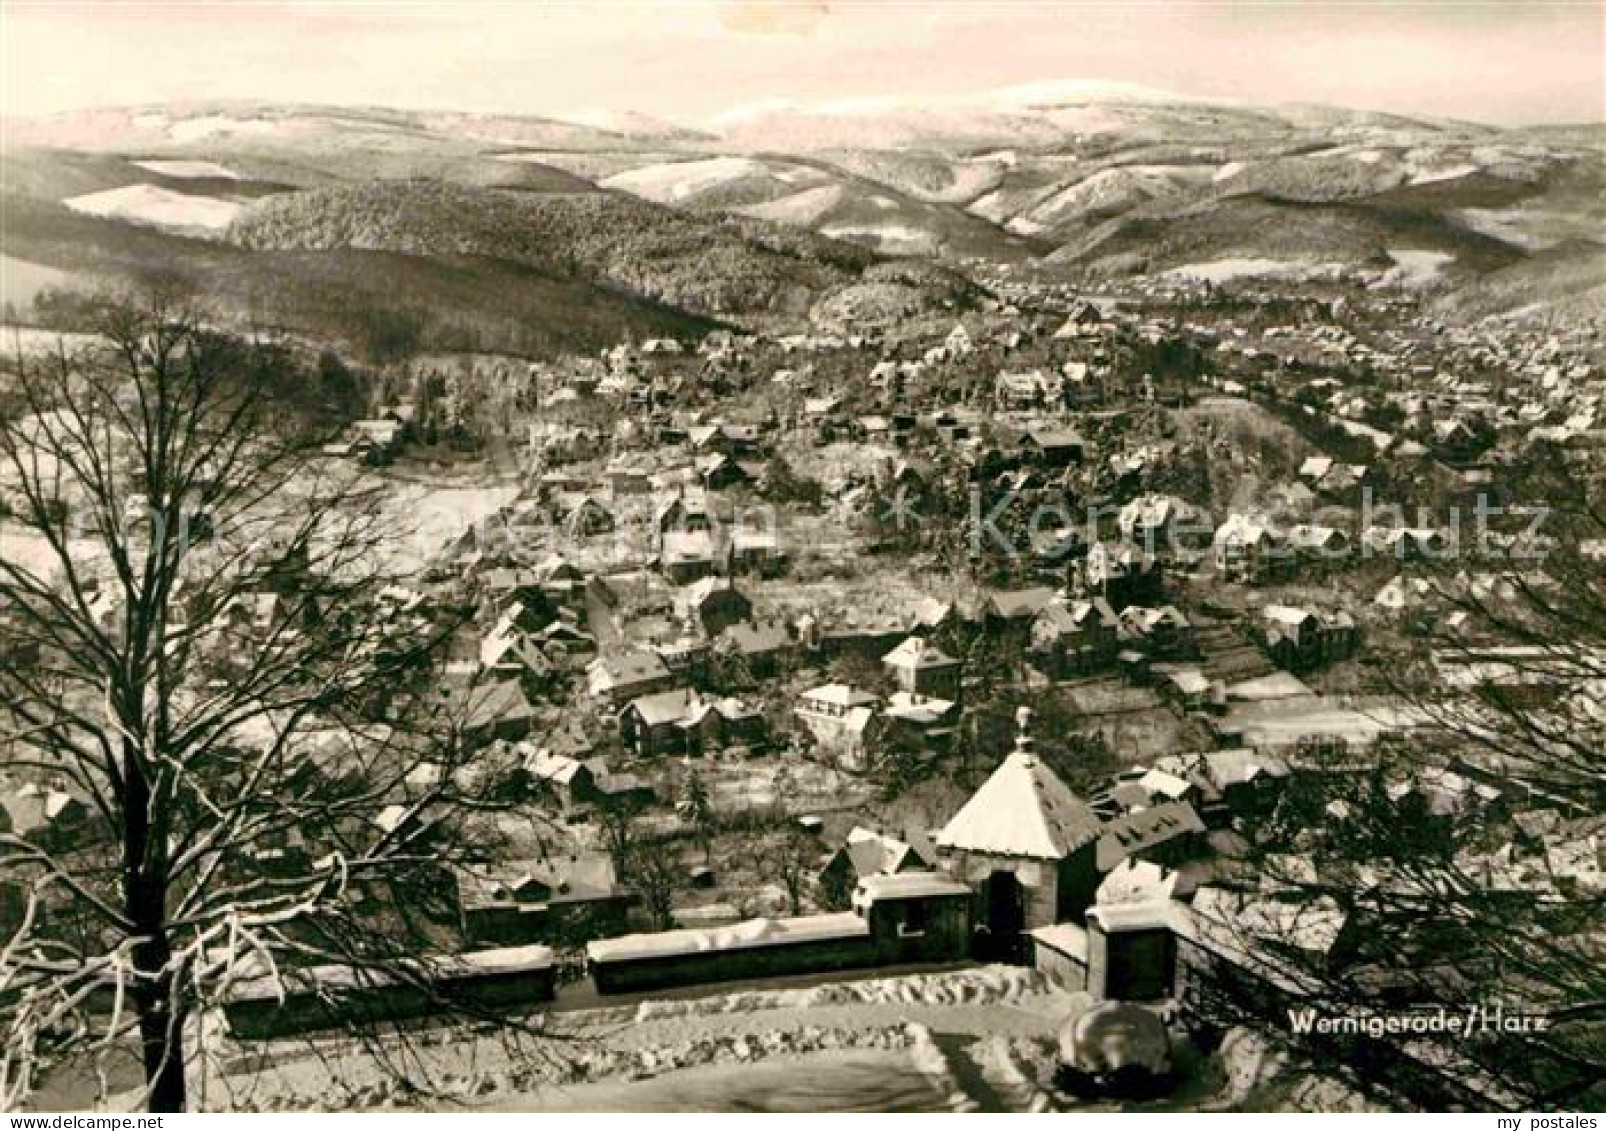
934	1041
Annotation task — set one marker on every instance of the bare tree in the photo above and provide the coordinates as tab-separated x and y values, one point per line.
656	875
792	858
618	823
1462	853
205	648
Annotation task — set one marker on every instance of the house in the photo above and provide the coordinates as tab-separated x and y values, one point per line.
498	710
829	404
1162	786
1229	783
1247	547
952	427
565	899
721	472
1169	833
1328	476
627	478
685	557
621	676
686	657
869	853
377	437
1026	844
1011	611
1162	633
617	790
568	780
1121	572
730	440
921	669
683	512
651	724
1458	441
1160	524
1035	388
1189	686
1070	637
507	651
763	649
49	819
1300	639
1083	321
581	515
925	722
1314	468
958	343
1053	447
755	551
1311	542
683	721
564	644
842	720
723	723
712	605
1405	543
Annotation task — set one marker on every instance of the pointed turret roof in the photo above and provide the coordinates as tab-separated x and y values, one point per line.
1023	809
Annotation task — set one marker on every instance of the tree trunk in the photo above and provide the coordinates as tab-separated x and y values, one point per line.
161	1033
156	990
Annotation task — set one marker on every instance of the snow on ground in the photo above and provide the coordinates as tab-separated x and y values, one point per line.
805	208
979	1038
915	1042
30	341
868	1081
1227	171
187	169
679	180
160	207
1248	267
990	206
194	129
629	122
1529	229
890	238
1429	175
426	517
22	547
990	985
1415	268
21	281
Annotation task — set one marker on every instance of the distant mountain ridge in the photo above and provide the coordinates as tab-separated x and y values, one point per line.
762	213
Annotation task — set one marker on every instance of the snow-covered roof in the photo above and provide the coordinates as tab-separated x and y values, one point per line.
839	694
1140	881
263	985
1023	809
739	936
906	885
1067	938
918	653
1145	828
665	706
1149	916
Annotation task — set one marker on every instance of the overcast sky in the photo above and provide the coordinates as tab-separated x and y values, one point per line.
1507	62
